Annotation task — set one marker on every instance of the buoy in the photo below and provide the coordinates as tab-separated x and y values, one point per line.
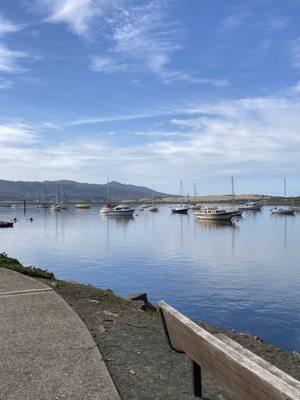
15	220
30	219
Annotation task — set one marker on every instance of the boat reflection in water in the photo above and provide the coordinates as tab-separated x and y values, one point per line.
216	224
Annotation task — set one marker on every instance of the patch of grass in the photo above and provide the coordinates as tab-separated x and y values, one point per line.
15	265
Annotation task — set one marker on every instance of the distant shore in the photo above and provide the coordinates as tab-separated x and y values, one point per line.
222	199
133	346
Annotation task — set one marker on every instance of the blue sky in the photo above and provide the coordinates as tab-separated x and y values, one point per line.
151	92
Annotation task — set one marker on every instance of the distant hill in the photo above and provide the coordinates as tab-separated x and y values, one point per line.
73	191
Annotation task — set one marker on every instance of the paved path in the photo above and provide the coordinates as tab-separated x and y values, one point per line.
46	351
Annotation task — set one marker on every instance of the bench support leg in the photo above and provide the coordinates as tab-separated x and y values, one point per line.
197	379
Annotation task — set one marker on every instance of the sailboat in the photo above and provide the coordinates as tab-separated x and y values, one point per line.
283	210
236	212
106	208
43	204
153	208
63	205
195	206
180	209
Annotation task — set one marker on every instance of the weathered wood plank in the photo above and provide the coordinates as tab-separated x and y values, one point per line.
259	361
243	378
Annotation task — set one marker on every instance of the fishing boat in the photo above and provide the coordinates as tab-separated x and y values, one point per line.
214	213
251	206
82	206
121	210
182	209
152	208
283	210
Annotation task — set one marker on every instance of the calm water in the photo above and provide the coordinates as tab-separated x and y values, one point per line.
244	276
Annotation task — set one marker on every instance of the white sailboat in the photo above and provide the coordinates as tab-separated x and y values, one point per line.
180	209
107	207
283	210
153	208
195	206
236	212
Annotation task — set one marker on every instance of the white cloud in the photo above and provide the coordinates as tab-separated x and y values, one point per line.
9	59
7	26
135	37
246	137
17	133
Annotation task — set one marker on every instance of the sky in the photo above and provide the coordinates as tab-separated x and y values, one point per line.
152	92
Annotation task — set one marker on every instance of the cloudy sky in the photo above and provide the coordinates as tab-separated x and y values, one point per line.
151	92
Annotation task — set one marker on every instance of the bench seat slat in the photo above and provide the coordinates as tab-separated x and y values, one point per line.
259	361
244	379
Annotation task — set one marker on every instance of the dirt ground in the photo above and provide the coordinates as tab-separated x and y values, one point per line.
133	346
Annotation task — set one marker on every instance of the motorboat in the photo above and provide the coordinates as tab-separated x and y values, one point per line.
283	211
215	213
251	206
82	206
121	210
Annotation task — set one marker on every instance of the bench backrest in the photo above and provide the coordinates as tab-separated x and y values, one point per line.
243	378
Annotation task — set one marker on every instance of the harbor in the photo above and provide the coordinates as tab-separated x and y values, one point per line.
249	284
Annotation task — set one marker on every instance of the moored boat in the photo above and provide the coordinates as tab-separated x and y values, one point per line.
180	210
215	213
282	211
55	207
251	206
6	224
82	206
121	210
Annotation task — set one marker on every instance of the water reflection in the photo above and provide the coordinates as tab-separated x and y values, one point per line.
242	275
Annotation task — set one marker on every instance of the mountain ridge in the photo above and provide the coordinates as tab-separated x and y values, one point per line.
72	191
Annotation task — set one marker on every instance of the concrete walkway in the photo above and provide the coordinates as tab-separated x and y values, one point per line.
46	351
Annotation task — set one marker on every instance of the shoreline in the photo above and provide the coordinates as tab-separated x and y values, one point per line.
133	345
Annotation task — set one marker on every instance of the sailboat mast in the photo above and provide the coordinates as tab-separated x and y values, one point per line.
181	191
284	184
232	189
153	196
107	189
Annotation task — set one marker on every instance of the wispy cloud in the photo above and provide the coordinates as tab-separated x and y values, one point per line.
241	137
7	26
18	133
135	37
9	58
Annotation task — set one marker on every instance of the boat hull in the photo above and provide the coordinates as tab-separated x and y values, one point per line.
180	210
215	217
127	213
283	212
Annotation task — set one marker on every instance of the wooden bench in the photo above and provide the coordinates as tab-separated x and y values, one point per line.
244	375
